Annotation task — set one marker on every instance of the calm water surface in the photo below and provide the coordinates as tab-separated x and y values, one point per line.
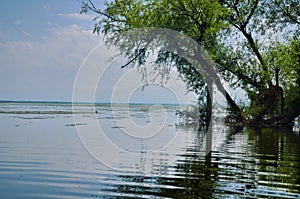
42	156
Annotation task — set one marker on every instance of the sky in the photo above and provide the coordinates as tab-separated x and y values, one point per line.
46	44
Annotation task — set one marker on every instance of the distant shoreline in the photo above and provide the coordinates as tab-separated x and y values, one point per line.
85	103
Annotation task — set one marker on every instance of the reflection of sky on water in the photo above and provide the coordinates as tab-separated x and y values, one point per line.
142	132
41	156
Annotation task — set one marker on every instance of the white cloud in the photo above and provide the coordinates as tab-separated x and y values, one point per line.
44	68
64	42
26	33
77	16
17	22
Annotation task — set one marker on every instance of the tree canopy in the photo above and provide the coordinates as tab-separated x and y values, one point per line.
254	43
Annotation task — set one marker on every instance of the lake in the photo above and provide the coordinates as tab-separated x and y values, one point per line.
56	150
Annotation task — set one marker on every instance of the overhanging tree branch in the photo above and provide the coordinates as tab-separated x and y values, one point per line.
141	51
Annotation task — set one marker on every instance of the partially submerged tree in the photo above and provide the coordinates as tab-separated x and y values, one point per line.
249	61
234	33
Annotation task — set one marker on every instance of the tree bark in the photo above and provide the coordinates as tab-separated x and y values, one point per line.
209	118
212	76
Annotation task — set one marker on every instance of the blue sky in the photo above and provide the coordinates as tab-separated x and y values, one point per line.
43	43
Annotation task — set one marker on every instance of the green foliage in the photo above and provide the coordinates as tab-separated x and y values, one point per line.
262	54
253	42
201	20
282	13
285	57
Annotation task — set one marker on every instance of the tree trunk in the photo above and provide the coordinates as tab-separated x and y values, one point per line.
208	118
231	102
211	76
208	104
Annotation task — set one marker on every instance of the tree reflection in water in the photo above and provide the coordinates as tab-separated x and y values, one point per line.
249	163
